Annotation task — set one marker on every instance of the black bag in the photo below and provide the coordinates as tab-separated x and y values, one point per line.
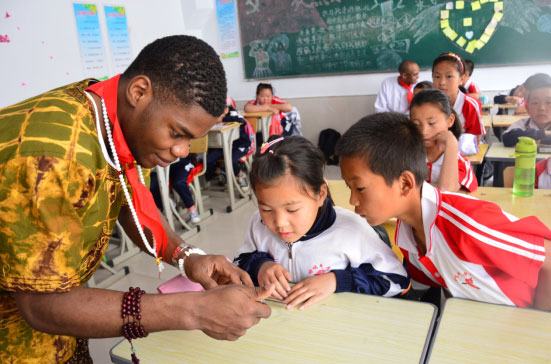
327	142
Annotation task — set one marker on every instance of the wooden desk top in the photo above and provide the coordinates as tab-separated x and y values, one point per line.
497	152
473	332
478	157
507	106
487	120
505	121
487	106
536	205
340	193
343	328
220	127
258	114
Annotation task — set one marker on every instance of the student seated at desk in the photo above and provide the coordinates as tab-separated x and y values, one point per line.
432	114
447	73
515	97
299	236
266	101
240	148
472	89
538	105
469	247
179	174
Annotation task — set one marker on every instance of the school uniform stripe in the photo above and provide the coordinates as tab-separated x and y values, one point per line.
509	243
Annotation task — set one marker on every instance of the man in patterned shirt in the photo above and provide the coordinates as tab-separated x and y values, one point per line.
60	196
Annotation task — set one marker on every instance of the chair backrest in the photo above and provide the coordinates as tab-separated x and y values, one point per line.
508	176
199	145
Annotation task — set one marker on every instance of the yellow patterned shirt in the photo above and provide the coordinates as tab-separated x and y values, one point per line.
59	200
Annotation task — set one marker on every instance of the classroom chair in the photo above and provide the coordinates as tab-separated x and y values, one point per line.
508	176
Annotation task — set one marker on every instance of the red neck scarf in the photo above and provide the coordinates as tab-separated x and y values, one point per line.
409	88
147	212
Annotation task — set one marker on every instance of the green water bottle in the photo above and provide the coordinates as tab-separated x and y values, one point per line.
525	166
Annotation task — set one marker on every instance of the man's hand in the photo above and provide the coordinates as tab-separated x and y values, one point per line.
214	270
311	290
273	273
226	312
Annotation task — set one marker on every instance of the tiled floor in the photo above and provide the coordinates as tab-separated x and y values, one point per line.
222	233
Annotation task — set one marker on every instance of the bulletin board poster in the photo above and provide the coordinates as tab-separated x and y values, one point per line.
90	41
227	28
119	40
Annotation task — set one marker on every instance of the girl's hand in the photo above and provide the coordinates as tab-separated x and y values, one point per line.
311	290
273	273
445	138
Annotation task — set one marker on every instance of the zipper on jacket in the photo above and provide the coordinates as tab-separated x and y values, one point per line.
290	254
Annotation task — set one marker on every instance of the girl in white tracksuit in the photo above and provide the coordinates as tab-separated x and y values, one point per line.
298	235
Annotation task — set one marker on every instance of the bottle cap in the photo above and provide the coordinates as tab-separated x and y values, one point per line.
526	147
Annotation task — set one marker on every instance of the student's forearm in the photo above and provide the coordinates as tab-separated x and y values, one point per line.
255	108
449	175
286	107
542	298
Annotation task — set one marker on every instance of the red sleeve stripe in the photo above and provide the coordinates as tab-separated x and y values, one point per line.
469	175
508	243
476	106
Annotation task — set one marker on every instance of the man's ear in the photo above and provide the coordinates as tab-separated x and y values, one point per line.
138	90
407	183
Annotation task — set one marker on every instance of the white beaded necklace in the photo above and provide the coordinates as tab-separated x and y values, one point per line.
150	249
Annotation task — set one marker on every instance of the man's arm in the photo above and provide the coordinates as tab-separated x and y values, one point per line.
223	313
542	299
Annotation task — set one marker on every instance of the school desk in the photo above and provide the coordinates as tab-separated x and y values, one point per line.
343	328
477	158
497	152
507	106
505	121
264	120
471	332
222	136
486	108
536	205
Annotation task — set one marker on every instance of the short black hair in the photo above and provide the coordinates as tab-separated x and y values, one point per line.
442	101
402	67
294	155
184	69
389	143
469	66
263	86
537	81
423	85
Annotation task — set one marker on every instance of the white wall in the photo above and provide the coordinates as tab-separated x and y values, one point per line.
44	52
488	78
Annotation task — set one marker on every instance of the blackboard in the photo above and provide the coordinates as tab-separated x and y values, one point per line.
282	38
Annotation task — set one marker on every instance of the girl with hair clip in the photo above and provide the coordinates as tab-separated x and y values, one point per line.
299	236
449	170
447	74
266	101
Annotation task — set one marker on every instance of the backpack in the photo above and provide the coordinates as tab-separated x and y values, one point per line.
327	141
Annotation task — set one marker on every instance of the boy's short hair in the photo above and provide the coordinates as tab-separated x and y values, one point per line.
469	66
423	85
537	81
389	143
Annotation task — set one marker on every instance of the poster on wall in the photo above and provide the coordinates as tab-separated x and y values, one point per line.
90	41
119	41
227	28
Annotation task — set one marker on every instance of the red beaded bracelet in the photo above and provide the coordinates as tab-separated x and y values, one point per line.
131	307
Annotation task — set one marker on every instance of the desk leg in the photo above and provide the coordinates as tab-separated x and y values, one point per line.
227	137
265	121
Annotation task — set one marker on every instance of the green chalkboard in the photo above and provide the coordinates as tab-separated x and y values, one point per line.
311	37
